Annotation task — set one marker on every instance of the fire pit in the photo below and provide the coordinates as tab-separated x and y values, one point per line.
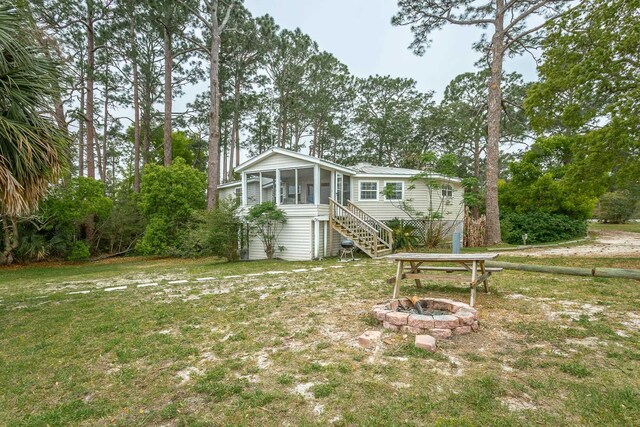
438	317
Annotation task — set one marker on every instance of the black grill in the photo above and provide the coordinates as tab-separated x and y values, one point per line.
347	244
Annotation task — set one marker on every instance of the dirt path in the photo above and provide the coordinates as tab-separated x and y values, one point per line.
605	244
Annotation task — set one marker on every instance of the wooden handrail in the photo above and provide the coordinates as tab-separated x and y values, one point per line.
355	220
368	217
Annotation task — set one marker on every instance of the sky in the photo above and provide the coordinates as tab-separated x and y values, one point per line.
359	33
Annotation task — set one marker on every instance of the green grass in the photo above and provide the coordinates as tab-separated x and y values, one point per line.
257	350
633	227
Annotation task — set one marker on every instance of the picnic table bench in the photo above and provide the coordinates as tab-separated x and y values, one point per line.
410	266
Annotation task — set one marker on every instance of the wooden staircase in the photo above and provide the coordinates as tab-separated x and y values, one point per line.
370	235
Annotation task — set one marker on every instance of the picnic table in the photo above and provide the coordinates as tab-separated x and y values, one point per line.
410	266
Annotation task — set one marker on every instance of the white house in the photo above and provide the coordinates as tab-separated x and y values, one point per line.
325	202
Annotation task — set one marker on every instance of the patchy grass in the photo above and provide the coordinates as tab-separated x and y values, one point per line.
632	227
282	348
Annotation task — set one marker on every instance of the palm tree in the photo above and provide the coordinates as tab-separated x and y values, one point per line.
33	150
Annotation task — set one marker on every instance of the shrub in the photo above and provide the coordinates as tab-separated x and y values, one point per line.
168	198
79	251
63	217
541	227
157	237
616	207
404	234
211	233
124	225
172	192
266	221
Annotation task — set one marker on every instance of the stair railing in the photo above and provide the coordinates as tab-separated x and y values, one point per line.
363	228
385	234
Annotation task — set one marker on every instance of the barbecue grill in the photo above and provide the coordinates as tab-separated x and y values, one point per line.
346	254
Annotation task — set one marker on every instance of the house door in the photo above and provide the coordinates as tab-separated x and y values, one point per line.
339	188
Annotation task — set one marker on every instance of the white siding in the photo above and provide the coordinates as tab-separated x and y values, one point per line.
224	193
296	235
385	209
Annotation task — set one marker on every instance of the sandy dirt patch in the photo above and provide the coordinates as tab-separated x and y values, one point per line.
606	244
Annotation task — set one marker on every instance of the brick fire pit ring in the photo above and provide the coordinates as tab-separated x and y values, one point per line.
440	317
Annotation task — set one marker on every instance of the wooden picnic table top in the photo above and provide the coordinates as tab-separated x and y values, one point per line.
423	257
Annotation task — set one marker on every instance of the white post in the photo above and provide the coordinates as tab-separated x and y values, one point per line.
297	191
316	185
316	239
260	187
244	189
325	223
277	189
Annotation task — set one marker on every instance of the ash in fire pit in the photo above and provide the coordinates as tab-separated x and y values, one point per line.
439	317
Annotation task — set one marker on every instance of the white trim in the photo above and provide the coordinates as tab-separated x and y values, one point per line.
244	189
360	191
293	154
449	188
277	188
316	184
230	184
384	185
405	176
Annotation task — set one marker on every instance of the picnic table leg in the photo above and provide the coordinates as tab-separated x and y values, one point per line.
414	269
474	269
486	281
396	287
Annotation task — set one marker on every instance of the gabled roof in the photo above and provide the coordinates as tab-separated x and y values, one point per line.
366	170
295	155
369	169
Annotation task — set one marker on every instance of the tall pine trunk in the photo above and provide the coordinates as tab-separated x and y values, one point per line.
494	102
168	95
81	144
91	172
235	129
136	108
213	169
146	123
105	128
476	174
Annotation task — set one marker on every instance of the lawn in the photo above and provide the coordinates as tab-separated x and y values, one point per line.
274	346
633	227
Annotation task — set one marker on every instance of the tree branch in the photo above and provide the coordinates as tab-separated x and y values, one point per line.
226	17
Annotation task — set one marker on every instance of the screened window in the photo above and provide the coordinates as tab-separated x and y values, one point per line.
268	186
288	192
368	190
394	190
253	189
447	190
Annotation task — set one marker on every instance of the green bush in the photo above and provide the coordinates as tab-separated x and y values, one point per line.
211	233
169	196
405	236
79	251
541	227
616	207
266	221
123	227
62	218
157	237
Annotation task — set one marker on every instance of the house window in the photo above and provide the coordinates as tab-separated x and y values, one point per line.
238	194
447	190
368	190
394	190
